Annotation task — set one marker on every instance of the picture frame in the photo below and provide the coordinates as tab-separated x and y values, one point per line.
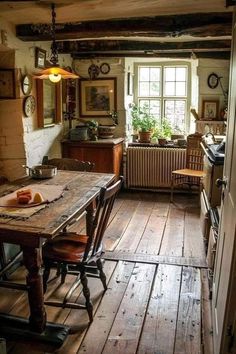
40	58
49	107
97	98
210	109
129	84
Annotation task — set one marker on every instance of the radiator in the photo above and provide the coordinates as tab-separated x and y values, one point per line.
150	167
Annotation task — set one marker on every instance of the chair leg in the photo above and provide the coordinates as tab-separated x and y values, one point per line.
86	292
46	274
172	188
64	270
102	274
58	269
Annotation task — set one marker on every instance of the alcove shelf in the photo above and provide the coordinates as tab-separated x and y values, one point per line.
216	127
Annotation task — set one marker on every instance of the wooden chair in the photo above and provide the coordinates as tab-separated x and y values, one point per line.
69	164
193	173
79	254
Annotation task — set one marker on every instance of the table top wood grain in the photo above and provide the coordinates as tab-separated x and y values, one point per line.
80	189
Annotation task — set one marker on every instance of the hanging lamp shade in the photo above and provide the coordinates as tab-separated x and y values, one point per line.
54	73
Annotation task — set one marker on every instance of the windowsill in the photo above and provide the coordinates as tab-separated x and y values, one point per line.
156	145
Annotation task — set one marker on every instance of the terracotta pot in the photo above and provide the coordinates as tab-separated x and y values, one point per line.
106	131
145	137
162	141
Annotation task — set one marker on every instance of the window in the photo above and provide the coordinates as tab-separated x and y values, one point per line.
164	90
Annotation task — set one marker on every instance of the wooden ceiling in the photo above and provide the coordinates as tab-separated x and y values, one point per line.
158	28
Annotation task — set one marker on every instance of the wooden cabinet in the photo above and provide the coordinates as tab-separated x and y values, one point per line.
107	154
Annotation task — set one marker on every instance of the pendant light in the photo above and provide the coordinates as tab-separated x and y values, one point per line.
54	73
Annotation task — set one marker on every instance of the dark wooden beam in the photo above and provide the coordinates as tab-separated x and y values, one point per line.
93	46
230	3
197	25
176	55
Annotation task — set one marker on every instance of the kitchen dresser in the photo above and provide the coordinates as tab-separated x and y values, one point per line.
107	154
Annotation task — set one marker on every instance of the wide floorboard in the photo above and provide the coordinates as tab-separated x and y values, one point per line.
157	300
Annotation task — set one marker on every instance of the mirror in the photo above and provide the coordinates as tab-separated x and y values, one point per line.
48	103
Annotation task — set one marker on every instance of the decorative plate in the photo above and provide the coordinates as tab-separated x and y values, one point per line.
105	68
213	80
26	84
29	106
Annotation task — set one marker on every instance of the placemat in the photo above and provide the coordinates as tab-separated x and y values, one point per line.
9	205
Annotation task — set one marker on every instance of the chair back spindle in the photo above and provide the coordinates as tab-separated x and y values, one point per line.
104	207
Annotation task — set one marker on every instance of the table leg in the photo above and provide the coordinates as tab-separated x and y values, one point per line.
32	261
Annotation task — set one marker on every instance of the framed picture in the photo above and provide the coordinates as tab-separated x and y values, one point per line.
97	98
49	108
129	84
210	109
40	58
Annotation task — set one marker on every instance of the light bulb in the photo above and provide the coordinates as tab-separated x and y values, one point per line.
54	77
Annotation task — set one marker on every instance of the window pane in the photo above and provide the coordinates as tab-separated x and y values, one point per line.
174	110
181	74
155	108
143	89
143	103
169	89
169	74
154	89
180	89
154	74
143	74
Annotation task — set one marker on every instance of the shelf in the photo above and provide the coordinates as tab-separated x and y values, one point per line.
210	121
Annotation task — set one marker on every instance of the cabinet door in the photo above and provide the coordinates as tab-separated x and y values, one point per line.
103	159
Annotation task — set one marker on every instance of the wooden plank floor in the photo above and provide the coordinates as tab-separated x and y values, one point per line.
157	300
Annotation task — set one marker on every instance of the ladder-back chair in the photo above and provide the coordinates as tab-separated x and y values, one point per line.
193	173
69	164
77	254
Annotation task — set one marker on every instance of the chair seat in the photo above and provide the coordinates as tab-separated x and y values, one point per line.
189	172
68	249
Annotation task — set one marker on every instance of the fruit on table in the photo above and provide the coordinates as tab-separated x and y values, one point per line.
38	198
24	196
23	199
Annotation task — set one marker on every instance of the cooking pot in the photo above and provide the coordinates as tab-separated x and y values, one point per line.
42	171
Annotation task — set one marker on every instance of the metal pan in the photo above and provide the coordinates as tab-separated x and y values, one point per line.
42	171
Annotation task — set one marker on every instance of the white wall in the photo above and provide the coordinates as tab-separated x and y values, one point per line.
117	69
34	143
205	68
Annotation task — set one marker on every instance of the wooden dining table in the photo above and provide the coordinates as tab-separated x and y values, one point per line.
80	190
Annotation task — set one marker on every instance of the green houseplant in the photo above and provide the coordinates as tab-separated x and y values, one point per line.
143	122
163	131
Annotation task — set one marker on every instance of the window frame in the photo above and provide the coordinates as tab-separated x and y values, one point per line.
162	98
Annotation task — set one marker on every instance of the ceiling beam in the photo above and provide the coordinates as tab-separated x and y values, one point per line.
91	46
197	25
110	48
176	55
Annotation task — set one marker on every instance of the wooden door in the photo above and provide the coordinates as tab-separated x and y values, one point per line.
224	300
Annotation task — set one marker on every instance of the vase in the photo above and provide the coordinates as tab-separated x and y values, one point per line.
145	137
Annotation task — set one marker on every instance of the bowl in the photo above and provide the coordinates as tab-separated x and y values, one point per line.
42	171
106	131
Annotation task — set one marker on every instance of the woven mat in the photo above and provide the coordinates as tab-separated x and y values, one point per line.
9	206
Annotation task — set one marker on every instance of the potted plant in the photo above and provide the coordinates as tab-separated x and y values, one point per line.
163	131
143	122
